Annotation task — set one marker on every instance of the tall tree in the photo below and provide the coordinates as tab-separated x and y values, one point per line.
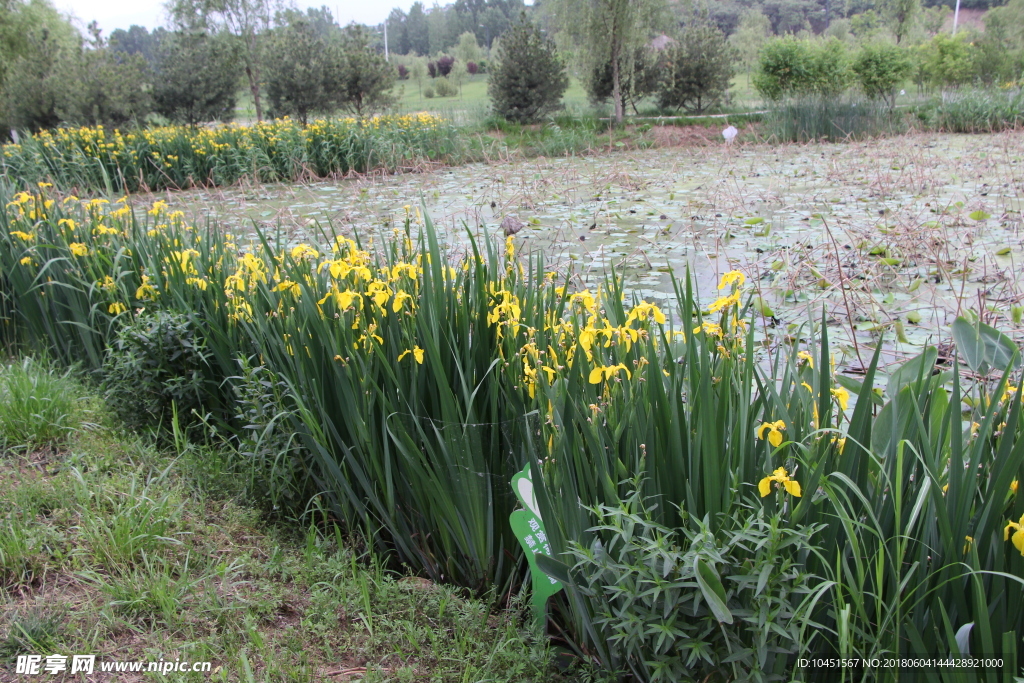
196	77
249	21
529	78
610	31
366	78
416	30
303	68
900	15
398	36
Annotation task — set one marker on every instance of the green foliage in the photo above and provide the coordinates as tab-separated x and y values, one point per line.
529	79
610	33
38	407
946	61
690	603
899	15
157	365
195	78
976	111
444	87
881	69
791	66
805	119
303	70
699	69
641	76
107	87
35	68
366	77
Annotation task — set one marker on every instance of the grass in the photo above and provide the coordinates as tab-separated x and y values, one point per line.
112	547
37	408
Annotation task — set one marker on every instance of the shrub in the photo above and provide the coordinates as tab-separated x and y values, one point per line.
881	68
274	461
445	88
947	61
691	603
157	364
444	65
38	407
472	68
700	67
403	72
432	69
792	66
530	79
428	92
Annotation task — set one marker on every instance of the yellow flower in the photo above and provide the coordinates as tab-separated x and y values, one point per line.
967	545
709	328
26	261
643	310
303	251
78	249
803	355
725	302
400	298
1010	391
292	288
1013	486
23	236
416	352
774	430
598	374
731	277
116	308
1018	536
842	396
145	290
781	476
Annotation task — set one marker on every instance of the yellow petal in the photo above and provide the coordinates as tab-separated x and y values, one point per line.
774	437
1018	541
792	487
761	430
596	375
765	486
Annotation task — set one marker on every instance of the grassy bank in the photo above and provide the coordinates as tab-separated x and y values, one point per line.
113	547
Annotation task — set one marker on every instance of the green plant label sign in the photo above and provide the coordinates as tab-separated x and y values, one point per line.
529	529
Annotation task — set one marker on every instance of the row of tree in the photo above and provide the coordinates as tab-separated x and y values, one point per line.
304	64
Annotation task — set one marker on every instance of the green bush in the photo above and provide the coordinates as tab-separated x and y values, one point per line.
791	66
947	61
881	68
38	407
529	78
445	88
156	365
700	67
691	603
274	461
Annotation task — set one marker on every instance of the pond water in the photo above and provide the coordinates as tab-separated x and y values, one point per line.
909	230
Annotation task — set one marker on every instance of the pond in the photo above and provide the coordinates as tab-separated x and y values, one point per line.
895	236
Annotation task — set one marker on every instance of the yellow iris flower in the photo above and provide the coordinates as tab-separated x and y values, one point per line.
774	430
731	277
598	374
782	477
416	352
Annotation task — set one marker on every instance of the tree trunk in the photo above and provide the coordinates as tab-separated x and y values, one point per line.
254	88
616	78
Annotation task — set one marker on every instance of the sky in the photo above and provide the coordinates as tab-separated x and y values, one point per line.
114	14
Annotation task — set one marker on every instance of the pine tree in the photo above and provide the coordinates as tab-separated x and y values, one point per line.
529	79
